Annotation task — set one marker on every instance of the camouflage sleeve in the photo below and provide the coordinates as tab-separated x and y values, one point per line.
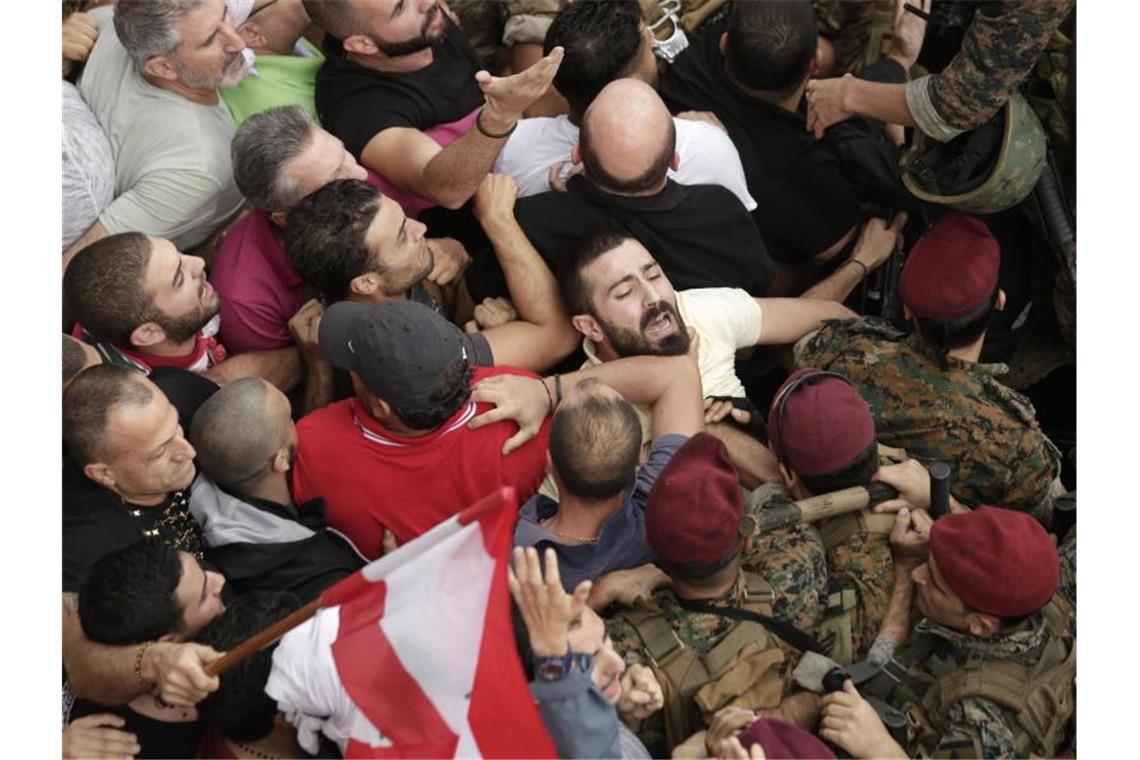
818	349
528	20
977	727
997	54
625	640
1036	463
793	562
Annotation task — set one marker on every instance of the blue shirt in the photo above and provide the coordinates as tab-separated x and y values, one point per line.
621	542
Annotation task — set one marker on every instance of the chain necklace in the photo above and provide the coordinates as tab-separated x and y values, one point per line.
252	751
560	534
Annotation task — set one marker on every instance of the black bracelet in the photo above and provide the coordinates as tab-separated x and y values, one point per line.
549	398
483	131
557	389
863	266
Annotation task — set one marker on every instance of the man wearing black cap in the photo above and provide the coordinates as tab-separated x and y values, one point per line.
704	655
399	455
927	391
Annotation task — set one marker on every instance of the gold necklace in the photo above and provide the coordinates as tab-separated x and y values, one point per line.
560	534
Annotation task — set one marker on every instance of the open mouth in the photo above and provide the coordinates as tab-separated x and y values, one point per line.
661	325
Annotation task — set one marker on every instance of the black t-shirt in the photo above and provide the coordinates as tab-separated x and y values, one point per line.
700	234
97	522
804	203
158	739
356	104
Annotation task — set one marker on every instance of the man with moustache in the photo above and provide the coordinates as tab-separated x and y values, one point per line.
405	91
152	82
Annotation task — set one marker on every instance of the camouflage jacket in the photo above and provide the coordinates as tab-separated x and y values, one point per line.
987	433
1001	48
974	726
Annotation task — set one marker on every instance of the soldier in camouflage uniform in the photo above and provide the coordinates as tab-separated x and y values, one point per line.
705	659
926	390
990	669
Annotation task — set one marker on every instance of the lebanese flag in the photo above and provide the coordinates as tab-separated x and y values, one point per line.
414	655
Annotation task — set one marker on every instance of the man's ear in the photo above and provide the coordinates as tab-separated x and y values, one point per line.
278	218
675	161
147	334
1000	305
816	64
576	154
100	473
360	44
365	284
251	33
981	624
379	408
280	461
588	327
722	43
788	477
160	67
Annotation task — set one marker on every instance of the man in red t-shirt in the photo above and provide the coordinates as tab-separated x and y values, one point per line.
400	455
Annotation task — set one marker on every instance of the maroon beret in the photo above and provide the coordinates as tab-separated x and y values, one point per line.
819	423
998	561
693	511
952	269
783	741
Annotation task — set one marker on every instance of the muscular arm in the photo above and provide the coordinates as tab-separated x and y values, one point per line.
542	335
786	320
671	385
281	366
896	620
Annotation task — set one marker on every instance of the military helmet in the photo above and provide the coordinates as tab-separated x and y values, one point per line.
1019	141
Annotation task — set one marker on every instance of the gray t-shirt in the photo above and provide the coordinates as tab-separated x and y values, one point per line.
173	177
88	168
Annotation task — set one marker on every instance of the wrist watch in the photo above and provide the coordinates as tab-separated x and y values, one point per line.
559	666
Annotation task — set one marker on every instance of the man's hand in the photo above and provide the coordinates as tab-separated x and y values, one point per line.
177	670
641	694
626	586
910	30
877	241
692	748
508	97
717	409
546	608
827	103
79	34
494	201
850	722
494	311
304	326
517	398
732	749
707	117
910	538
561	172
726	724
450	259
388	543
98	736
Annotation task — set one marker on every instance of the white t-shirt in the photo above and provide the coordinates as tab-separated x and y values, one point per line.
708	156
173	176
88	167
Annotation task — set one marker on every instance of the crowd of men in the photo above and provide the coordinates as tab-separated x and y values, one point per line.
336	270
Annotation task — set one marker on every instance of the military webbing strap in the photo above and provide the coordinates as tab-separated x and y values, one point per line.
1041	695
781	628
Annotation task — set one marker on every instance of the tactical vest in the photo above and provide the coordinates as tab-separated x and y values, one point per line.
739	669
1043	695
842	599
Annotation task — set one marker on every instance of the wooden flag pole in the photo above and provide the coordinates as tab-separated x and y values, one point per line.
262	639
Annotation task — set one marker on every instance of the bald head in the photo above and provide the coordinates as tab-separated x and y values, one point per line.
627	139
239	432
595	439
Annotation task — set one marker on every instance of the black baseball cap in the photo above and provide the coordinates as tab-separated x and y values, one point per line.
399	348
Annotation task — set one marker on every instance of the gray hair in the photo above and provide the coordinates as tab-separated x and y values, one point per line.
146	28
262	146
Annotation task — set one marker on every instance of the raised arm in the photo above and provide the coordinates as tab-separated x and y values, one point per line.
876	243
449	176
786	320
281	366
542	335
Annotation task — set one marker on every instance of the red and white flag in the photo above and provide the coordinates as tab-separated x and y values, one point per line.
414	655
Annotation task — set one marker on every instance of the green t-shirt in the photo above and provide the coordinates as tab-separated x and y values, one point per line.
285	80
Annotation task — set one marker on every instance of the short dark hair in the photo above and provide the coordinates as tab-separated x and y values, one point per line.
857	472
128	595
960	331
105	286
232	436
240	708
73	358
325	235
451	391
88	404
594	446
263	144
771	44
602	41
335	17
571	280
647	180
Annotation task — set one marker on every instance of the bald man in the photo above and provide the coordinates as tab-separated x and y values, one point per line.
702	235
256	535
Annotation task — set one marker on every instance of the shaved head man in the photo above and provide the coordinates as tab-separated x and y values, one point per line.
628	140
